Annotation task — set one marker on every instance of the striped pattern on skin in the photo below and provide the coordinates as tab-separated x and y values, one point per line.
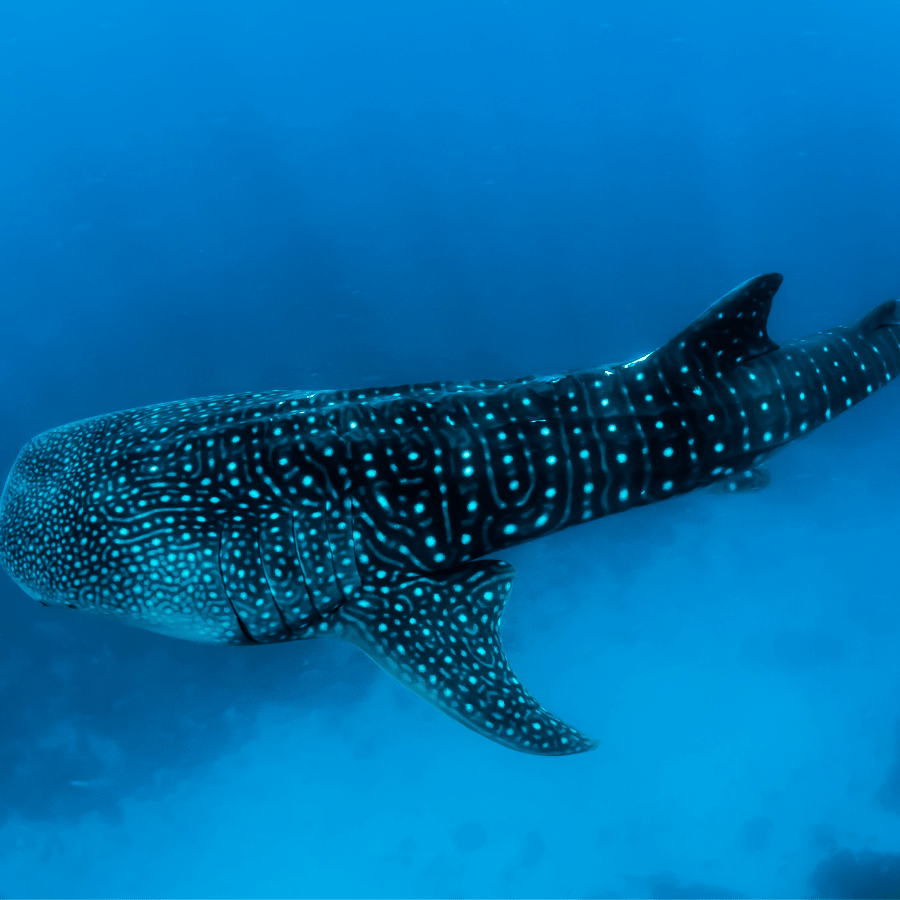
257	518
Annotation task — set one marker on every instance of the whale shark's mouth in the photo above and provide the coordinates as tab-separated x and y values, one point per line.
31	592
11	488
38	509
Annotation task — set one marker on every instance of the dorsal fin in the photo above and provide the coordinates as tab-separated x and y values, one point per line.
732	330
883	316
439	634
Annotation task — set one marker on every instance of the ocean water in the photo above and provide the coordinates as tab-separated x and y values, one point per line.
203	197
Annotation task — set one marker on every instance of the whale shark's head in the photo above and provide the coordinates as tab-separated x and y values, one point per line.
98	516
42	512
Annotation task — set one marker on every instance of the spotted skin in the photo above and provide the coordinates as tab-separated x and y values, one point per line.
365	515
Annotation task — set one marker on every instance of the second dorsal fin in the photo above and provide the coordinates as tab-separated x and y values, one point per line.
733	329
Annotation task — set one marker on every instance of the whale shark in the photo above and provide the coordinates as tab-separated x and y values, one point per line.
367	514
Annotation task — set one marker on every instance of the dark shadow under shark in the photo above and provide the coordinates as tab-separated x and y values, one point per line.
256	518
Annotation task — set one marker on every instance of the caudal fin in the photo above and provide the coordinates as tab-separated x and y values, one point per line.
439	634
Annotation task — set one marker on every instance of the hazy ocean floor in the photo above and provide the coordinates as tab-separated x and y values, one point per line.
736	656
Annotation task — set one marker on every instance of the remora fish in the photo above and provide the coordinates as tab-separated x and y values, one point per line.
255	518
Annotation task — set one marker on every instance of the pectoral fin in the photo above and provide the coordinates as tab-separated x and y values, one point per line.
439	634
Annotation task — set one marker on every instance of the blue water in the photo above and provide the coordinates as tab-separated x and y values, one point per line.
200	197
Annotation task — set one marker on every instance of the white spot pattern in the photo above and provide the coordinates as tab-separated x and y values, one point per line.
285	515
